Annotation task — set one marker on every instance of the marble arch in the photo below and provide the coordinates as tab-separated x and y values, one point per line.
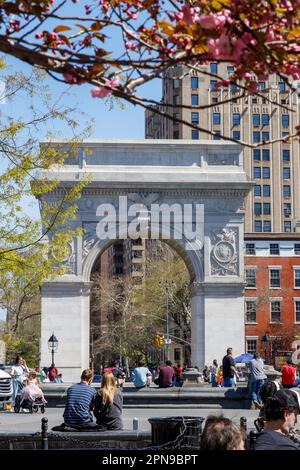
208	174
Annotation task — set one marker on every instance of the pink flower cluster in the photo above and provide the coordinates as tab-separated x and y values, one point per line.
104	91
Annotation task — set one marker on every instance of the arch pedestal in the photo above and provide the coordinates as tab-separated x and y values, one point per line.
206	175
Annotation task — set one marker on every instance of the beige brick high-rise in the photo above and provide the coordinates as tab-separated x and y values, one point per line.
274	203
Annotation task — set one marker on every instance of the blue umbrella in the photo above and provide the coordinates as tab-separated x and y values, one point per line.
244	358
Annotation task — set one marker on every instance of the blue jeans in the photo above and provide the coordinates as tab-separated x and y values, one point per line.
256	387
17	388
228	382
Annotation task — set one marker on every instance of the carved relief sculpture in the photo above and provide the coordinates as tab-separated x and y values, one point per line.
223	256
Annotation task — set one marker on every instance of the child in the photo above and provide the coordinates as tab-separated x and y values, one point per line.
32	391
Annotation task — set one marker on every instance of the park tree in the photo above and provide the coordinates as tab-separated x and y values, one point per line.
32	247
119	46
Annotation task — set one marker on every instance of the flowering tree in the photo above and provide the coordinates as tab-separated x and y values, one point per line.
73	41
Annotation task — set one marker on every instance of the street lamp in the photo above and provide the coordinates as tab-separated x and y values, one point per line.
167	285
52	345
265	340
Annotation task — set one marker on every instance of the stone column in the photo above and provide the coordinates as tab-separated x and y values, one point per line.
197	325
65	311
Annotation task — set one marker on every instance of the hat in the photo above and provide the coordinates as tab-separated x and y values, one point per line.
288	398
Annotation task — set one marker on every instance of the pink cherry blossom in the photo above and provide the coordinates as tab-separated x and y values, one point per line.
100	92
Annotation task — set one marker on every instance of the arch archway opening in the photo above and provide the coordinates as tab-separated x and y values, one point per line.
140	304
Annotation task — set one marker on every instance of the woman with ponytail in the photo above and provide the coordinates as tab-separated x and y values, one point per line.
109	404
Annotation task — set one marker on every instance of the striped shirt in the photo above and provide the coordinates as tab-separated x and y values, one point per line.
80	399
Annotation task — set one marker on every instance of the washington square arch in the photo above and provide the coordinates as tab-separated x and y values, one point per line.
197	191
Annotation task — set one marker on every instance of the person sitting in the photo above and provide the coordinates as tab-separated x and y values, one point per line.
141	375
166	376
58	379
109	404
52	373
221	433
118	374
80	402
289	374
281	412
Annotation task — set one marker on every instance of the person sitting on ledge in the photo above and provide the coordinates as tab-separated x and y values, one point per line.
109	404
80	402
221	433
166	376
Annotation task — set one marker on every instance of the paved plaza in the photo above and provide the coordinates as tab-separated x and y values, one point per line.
26	422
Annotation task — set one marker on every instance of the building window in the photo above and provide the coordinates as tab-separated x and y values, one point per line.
214	68
194	100
257	226
265	118
176	116
195	134
274	249
274	278
194	82
284	134
251	309
230	69
177	354
287	226
281	86
236	119
275	311
286	172
256	137
297	278
286	190
257	190
285	120
236	135
216	118
261	86
176	100
256	120
257	208
250	249
265	135
233	88
254	100
250	277
297	248
266	173
251	346
266	190
266	155
267	226
267	208
216	136
257	172
287	209
297	311
175	134
214	99
213	85
176	83
256	155
286	155
195	118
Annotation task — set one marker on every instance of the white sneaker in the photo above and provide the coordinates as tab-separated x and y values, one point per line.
24	410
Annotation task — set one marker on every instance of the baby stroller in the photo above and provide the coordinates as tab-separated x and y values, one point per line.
28	404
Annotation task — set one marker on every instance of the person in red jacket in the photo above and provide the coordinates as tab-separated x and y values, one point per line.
288	374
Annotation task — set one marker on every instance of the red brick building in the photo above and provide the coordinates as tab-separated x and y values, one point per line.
272	292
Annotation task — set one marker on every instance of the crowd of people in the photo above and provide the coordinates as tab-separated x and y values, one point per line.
86	408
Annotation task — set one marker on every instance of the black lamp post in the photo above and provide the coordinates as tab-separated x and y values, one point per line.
52	345
265	340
